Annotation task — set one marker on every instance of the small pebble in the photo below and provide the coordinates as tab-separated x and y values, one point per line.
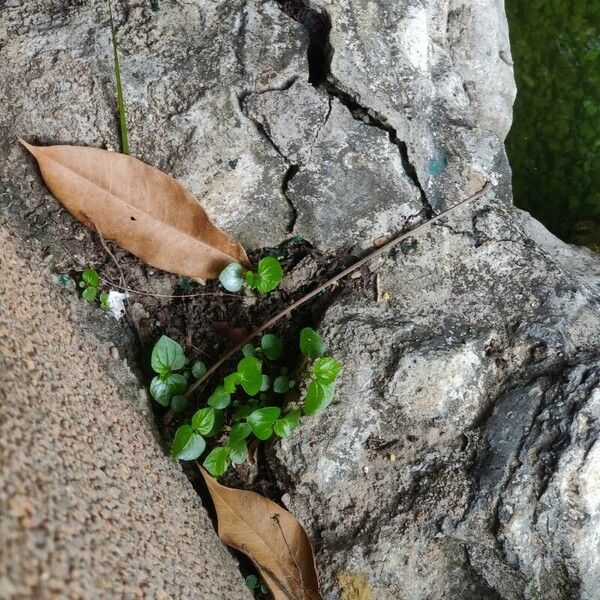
392	457
385	296
114	352
356	275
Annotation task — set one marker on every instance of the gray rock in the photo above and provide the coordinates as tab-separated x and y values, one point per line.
341	200
184	68
459	457
480	376
293	137
420	66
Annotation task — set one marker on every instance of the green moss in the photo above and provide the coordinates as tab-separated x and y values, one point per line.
554	145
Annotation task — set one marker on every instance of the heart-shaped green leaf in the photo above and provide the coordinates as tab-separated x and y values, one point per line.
187	444
318	397
167	356
203	420
261	421
311	343
268	275
271	346
326	369
249	369
285	426
217	461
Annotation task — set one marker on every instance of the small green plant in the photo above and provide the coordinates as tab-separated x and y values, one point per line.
245	404
173	372
254	584
266	278
90	282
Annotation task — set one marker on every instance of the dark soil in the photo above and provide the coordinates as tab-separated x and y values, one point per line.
209	325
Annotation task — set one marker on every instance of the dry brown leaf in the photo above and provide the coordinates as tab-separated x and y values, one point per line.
270	536
141	208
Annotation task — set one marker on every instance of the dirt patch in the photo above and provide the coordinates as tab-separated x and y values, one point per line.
353	586
203	317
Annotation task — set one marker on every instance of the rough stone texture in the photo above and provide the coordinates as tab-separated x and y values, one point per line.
185	68
90	505
459	459
480	376
335	170
420	66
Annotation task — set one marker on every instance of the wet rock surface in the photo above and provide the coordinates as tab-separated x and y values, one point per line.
459	459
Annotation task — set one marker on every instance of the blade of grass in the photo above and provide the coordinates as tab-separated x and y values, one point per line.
120	98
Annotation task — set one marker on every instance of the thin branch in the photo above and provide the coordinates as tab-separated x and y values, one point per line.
170	296
359	263
123	283
113	257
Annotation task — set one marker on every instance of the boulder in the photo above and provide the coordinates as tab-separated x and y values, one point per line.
91	506
458	459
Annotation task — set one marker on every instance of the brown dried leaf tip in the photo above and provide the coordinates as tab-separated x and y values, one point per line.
270	536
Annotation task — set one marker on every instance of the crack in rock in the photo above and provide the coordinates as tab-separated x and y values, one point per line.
317	23
263	131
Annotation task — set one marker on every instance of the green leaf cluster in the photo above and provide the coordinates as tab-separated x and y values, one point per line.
325	370
265	279
90	284
170	383
245	406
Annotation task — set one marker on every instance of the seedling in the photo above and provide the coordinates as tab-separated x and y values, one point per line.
266	278
245	405
168	387
254	584
90	283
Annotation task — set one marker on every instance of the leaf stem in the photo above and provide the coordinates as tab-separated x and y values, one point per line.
120	97
359	263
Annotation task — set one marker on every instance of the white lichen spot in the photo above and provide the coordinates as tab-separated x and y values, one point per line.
414	37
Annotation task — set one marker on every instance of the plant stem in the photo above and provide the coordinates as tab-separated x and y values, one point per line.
359	263
120	97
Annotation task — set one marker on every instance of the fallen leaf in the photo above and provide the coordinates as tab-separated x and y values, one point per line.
270	536
141	208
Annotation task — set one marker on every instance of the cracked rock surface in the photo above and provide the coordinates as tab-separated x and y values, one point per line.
459	458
